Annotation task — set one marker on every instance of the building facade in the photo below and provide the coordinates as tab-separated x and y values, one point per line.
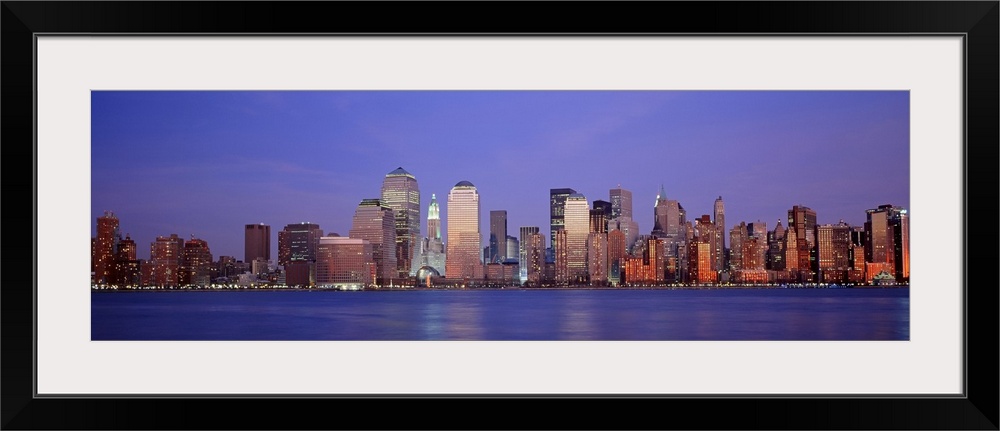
256	242
401	194
375	222
464	238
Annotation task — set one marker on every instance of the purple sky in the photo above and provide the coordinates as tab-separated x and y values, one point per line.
207	163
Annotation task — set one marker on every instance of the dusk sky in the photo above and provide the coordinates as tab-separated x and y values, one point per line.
207	163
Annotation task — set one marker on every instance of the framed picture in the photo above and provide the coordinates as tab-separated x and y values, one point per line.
61	370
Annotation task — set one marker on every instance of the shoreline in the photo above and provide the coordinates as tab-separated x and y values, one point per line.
415	288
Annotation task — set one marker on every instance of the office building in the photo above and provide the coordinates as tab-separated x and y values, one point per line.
257	242
464	238
401	194
374	222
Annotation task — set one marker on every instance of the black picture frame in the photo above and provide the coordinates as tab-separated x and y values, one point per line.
976	21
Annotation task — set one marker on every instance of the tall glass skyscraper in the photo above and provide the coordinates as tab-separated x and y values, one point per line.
374	222
523	250
498	236
557	200
719	218
401	194
577	226
621	203
464	240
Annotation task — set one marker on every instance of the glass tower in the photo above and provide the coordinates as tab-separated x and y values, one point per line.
464	240
401	194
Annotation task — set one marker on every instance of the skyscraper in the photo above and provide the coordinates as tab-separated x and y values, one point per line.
374	221
577	226
400	193
621	202
432	248
557	200
257	242
166	254
104	247
298	242
498	236
196	264
719	218
464	239
888	240
523	249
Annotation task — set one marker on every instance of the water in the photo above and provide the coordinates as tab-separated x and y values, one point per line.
508	314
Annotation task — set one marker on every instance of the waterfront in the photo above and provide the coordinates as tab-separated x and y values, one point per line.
504	314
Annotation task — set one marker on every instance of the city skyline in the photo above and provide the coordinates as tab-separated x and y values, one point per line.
209	163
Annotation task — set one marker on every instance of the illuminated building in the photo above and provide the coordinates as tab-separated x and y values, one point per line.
498	237
700	267
535	258
888	240
257	242
166	254
401	194
104	247
599	216
719	219
127	268
577	227
196	264
432	248
706	232
345	261
775	250
374	222
562	258
524	246
802	220
557	200
597	258
616	252
298	242
464	238
621	203
833	243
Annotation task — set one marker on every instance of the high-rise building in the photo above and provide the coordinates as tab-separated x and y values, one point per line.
432	248
888	239
803	220
374	221
434	218
298	242
401	194
257	242
196	265
775	251
557	201
599	216
616	253
597	258
562	275
535	258
577	226
719	218
621	203
345	261
525	243
166	255
706	231
104	247
126	266
498	237
464	239
833	250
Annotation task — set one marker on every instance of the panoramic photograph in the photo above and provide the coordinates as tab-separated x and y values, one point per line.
500	215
